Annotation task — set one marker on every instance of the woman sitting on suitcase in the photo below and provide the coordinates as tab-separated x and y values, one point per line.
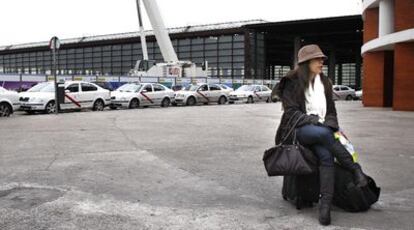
307	90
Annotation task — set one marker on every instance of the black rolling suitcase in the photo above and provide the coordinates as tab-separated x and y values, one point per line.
350	197
302	191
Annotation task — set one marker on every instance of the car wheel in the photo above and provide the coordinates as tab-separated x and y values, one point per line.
133	104
165	102
5	110
98	105
222	100
191	101
50	107
250	100
349	98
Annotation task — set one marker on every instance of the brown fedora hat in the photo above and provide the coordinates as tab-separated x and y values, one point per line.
309	52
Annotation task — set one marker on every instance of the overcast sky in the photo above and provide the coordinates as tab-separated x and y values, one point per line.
24	21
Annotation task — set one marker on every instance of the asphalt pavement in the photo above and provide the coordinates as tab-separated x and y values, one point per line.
185	168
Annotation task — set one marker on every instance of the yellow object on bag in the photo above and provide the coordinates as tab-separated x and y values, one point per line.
347	144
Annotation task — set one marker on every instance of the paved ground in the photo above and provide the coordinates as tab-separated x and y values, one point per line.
184	168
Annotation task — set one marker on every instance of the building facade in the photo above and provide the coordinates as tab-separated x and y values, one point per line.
222	45
388	54
252	49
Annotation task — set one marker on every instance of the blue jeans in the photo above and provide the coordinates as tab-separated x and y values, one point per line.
318	139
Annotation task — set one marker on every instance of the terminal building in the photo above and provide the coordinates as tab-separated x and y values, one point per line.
253	49
388	54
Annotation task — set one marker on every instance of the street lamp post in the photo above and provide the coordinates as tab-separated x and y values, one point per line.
54	45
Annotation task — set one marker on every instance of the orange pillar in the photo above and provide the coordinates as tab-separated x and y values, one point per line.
371	24
373	75
404	77
378	79
404	17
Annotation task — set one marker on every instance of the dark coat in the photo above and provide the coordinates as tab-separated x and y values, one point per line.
295	106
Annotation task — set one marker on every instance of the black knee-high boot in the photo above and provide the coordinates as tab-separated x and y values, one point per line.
345	159
327	177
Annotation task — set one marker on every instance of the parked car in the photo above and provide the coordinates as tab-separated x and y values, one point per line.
226	88
250	94
134	95
201	94
358	95
9	102
104	85
177	87
343	92
78	95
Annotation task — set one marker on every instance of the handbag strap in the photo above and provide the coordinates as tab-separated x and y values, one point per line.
291	130
291	117
295	137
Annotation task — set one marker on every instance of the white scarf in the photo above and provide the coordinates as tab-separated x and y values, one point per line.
315	99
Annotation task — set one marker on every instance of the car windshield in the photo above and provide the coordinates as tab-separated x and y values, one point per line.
192	87
130	88
38	87
246	88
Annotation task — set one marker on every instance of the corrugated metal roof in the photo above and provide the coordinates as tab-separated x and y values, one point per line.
186	29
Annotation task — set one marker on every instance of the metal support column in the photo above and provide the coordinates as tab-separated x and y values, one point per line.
340	74
358	63
331	64
296	47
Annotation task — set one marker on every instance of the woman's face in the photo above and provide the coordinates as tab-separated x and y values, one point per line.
315	65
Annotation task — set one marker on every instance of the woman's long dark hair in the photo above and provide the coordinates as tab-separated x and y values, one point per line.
303	73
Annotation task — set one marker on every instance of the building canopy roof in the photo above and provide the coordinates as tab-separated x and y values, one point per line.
119	36
341	35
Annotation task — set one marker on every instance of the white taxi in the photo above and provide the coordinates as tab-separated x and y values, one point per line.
9	102
202	94
226	88
77	95
134	95
250	94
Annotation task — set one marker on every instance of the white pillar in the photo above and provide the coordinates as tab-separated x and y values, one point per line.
142	33
161	33
386	17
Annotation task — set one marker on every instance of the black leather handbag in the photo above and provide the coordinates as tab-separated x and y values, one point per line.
287	159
